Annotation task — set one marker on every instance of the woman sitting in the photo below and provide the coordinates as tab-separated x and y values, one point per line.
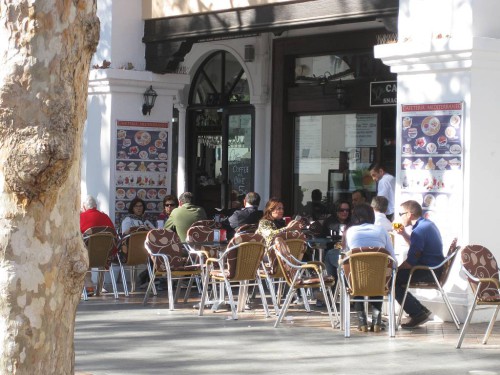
135	219
133	222
364	233
272	222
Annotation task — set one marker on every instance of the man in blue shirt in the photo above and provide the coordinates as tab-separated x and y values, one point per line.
426	248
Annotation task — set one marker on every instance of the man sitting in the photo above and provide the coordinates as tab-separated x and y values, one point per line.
249	214
426	248
379	205
186	214
91	217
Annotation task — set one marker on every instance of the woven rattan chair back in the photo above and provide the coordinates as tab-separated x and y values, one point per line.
242	263
101	244
379	268
137	253
367	277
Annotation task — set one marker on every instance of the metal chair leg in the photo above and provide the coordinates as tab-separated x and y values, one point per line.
466	323
490	326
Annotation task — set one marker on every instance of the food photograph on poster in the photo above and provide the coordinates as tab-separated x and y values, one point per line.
141	166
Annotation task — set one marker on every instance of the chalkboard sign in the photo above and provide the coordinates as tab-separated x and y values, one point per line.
239	174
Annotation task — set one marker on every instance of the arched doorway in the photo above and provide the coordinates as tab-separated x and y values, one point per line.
220	133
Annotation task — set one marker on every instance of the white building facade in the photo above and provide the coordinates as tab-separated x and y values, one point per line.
278	123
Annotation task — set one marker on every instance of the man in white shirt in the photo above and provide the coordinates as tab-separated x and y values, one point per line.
379	205
386	186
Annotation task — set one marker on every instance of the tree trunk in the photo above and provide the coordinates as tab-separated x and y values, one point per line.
46	47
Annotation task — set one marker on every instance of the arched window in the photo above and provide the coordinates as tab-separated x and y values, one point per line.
220	81
219	137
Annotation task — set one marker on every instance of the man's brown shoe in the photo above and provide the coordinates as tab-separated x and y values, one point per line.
417	320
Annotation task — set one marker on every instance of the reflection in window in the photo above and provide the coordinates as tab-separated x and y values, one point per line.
332	155
317	69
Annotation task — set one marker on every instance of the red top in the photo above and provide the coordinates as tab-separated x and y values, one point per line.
94	218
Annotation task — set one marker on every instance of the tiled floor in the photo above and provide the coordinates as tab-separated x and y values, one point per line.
125	337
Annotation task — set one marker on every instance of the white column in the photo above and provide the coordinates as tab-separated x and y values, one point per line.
181	158
456	61
262	152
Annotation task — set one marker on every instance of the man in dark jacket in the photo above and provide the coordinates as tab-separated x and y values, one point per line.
249	214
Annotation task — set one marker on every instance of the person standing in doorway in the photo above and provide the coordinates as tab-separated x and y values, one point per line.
386	186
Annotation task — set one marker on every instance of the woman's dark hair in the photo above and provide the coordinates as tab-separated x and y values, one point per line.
170	198
338	205
362	214
271	205
134	202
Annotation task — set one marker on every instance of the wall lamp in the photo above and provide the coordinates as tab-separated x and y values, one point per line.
149	101
334	87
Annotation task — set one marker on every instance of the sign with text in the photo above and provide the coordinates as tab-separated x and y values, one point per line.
431	161
383	93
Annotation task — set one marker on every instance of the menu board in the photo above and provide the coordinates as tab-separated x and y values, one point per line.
141	166
431	160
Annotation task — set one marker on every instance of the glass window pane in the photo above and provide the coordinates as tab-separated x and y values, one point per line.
313	69
233	69
240	152
213	70
202	90
332	155
241	92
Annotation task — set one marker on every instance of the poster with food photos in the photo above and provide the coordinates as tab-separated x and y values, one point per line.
141	166
431	160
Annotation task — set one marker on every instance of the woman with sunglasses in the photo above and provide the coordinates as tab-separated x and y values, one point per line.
169	203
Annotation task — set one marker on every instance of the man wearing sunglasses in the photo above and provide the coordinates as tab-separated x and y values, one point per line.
186	214
169	203
426	249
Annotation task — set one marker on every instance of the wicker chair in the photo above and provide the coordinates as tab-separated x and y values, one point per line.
369	272
101	245
297	276
171	260
238	263
271	270
136	255
482	271
438	283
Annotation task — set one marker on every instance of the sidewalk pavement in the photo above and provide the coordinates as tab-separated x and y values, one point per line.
125	337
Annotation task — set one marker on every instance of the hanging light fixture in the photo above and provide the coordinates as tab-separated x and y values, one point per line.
340	92
149	101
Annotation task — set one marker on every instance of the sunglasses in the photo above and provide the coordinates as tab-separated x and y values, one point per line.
170	205
344	210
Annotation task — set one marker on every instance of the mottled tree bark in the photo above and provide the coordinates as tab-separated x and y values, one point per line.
45	47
